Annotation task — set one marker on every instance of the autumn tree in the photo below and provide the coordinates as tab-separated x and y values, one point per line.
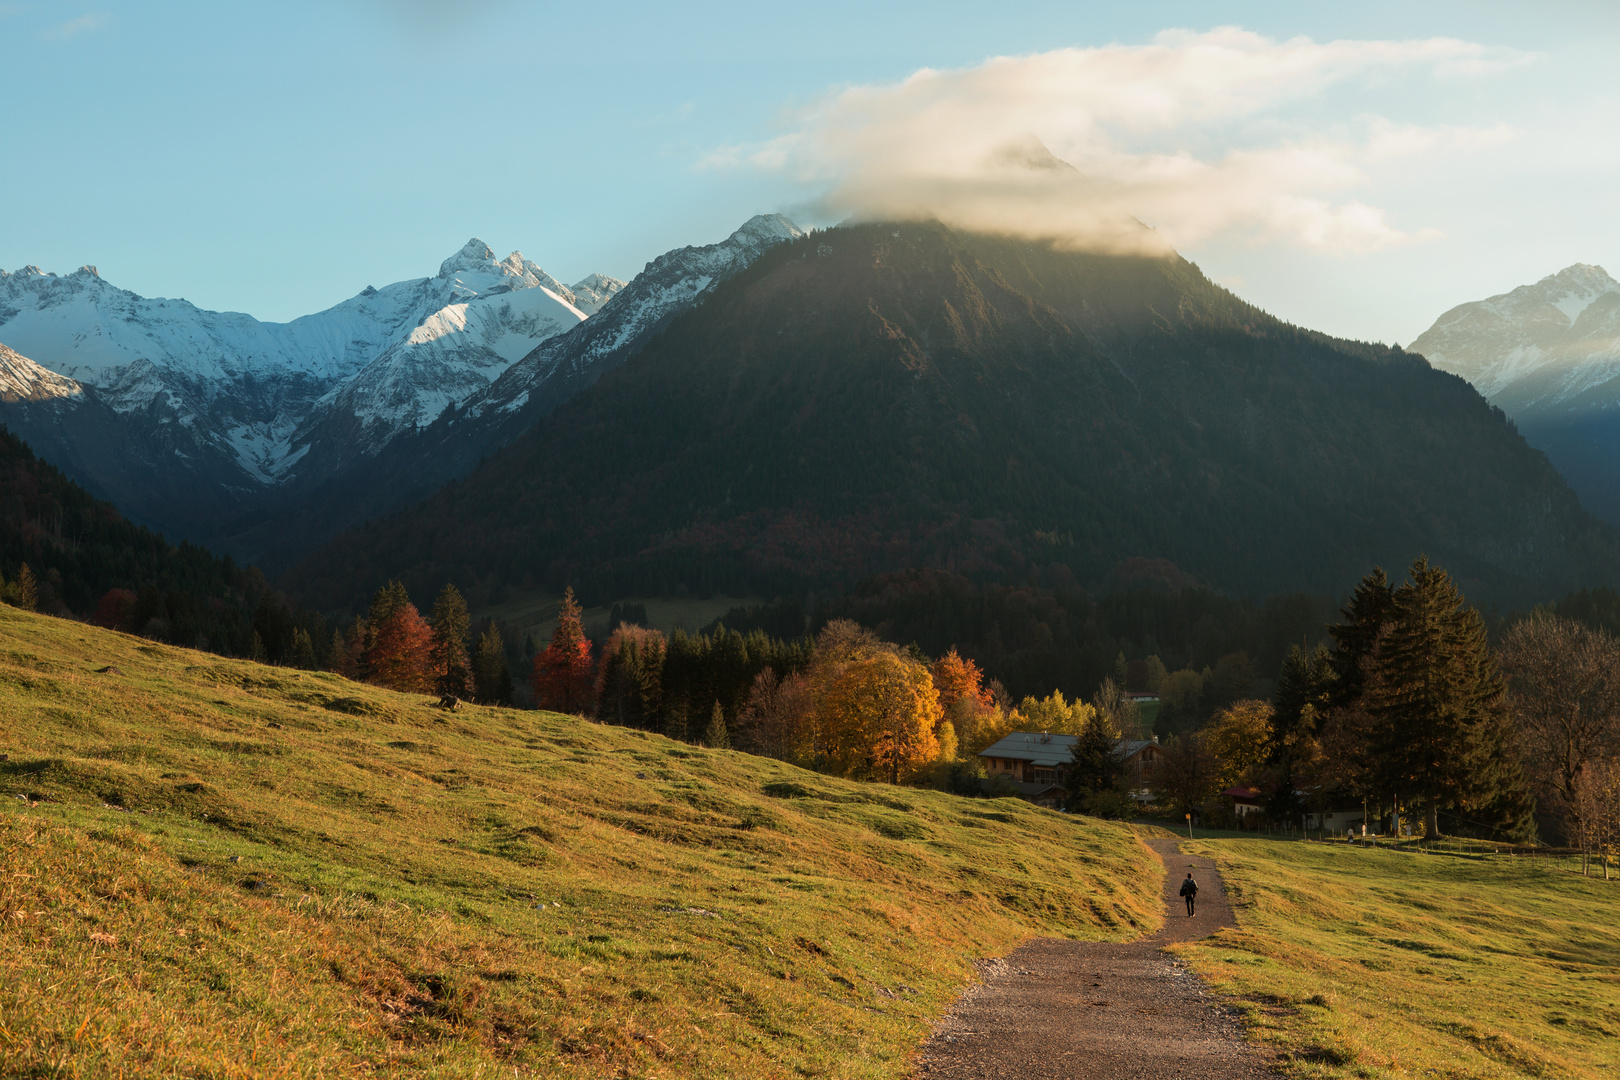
1119	711
958	679
563	676
400	653
1564	684
449	622
774	714
492	678
1239	737
629	680
1055	714
876	712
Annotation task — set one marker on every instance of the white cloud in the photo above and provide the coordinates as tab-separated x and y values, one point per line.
1195	134
73	27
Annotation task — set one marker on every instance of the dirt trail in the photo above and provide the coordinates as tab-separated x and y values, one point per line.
1067	1009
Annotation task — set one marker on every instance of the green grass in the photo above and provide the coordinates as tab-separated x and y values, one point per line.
213	868
1368	963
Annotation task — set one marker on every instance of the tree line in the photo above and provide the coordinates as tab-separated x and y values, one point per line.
1415	712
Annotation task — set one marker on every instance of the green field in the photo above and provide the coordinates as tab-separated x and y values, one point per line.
214	868
1367	963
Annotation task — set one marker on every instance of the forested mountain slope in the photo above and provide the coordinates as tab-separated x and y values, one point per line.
883	396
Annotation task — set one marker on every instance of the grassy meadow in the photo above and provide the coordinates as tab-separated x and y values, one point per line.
1372	963
211	868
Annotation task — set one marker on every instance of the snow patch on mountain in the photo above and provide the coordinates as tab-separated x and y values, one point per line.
23	380
1541	345
397	356
667	285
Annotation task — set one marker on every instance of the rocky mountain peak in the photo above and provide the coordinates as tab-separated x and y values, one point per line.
474	255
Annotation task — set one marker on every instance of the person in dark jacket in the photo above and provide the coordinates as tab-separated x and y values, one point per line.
1189	890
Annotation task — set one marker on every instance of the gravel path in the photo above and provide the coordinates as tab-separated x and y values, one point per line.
1069	1009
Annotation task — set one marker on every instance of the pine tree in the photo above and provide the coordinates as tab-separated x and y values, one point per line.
1303	689
629	684
562	677
449	622
27	589
302	654
716	736
256	651
492	679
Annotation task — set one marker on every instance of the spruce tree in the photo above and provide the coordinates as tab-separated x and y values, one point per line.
716	736
1303	688
303	650
492	679
1439	707
1095	766
449	622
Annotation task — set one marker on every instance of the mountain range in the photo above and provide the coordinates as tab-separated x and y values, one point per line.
261	438
1549	355
882	396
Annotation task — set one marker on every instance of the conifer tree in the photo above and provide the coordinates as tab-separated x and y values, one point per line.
26	589
1439	708
562	672
492	679
303	650
256	651
1303	689
629	684
716	736
449	622
1095	766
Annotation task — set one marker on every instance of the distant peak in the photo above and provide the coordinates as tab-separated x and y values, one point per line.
89	270
473	254
1027	153
1584	275
768	227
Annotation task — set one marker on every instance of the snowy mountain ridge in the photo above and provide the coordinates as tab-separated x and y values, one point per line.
1548	355
246	389
260	437
1546	344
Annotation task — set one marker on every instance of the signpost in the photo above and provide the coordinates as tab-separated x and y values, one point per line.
1189	827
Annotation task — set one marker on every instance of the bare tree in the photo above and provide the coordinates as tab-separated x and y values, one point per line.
1564	683
1597	803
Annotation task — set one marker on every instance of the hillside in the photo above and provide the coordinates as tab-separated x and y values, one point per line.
225	869
881	397
79	547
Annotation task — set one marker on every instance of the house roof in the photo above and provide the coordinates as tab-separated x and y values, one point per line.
1034	746
1042	748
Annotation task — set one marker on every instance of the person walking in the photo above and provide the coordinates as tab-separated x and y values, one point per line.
1189	890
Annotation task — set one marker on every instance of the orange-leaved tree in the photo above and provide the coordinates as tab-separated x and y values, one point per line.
959	679
562	671
399	654
875	711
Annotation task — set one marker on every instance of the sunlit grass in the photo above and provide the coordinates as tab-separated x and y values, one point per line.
222	869
1366	963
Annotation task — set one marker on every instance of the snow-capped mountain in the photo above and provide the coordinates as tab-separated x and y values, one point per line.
1548	355
256	436
23	380
245	391
561	367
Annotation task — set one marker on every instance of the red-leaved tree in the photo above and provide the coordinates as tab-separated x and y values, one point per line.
401	653
563	677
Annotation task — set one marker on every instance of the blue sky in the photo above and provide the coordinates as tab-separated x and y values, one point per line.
276	159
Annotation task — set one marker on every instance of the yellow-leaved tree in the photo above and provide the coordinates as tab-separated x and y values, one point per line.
1056	715
1239	737
875	712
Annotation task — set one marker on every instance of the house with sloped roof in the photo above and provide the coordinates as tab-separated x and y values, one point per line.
1035	762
